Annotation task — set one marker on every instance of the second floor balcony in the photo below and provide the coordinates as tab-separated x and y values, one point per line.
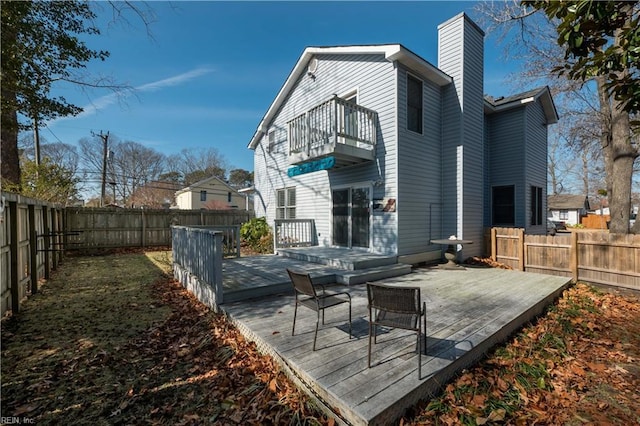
337	128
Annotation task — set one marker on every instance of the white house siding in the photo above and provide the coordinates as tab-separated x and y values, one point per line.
507	156
460	55
536	162
373	77
183	201
419	170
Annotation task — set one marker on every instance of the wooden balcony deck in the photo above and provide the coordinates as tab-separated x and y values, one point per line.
468	312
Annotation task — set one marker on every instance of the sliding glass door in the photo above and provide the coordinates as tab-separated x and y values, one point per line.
351	217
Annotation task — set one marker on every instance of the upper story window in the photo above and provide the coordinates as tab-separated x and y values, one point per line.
414	104
286	208
272	141
228	197
203	195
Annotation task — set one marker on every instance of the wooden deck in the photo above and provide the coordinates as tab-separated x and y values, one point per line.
468	312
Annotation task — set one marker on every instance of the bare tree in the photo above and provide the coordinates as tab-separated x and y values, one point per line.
132	166
197	164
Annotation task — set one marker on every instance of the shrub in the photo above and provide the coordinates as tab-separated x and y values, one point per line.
257	234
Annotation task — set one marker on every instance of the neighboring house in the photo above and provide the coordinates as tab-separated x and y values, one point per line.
212	193
386	151
567	208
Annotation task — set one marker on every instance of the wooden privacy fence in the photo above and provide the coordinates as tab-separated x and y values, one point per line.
104	228
592	256
31	242
197	262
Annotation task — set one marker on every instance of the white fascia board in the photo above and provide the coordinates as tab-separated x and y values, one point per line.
391	52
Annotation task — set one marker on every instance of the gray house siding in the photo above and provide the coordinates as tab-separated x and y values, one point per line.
374	79
463	136
536	161
507	157
419	172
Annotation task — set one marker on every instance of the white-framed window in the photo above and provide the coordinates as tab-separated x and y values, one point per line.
564	214
272	141
203	195
286	199
414	104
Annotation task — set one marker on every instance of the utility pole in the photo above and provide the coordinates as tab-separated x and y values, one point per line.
36	139
105	140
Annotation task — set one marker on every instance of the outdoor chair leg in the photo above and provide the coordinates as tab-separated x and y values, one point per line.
419	350
315	336
369	358
350	333
295	312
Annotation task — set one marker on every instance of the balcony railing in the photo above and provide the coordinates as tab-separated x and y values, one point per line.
336	127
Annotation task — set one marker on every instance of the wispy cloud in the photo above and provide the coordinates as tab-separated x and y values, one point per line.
174	81
112	98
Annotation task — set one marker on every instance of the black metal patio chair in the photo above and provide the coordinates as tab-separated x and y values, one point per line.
306	295
397	307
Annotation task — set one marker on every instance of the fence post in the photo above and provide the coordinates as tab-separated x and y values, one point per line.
13	257
494	233
47	240
54	237
521	248
573	256
237	232
33	248
143	239
216	263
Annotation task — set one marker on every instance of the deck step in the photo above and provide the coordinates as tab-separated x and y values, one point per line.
330	276
360	276
347	260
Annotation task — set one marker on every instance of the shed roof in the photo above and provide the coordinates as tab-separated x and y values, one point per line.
567	202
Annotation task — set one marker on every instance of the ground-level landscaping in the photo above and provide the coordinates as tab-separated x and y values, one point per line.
113	340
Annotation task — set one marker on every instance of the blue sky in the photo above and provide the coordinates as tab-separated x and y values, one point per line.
211	69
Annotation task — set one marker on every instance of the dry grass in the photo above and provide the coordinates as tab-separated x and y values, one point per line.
112	340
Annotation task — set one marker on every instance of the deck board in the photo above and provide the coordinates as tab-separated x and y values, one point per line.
468	311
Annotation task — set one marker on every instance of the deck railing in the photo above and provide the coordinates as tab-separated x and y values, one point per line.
197	262
294	233
332	122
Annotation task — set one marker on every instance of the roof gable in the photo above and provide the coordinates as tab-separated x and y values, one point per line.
391	52
540	94
195	186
